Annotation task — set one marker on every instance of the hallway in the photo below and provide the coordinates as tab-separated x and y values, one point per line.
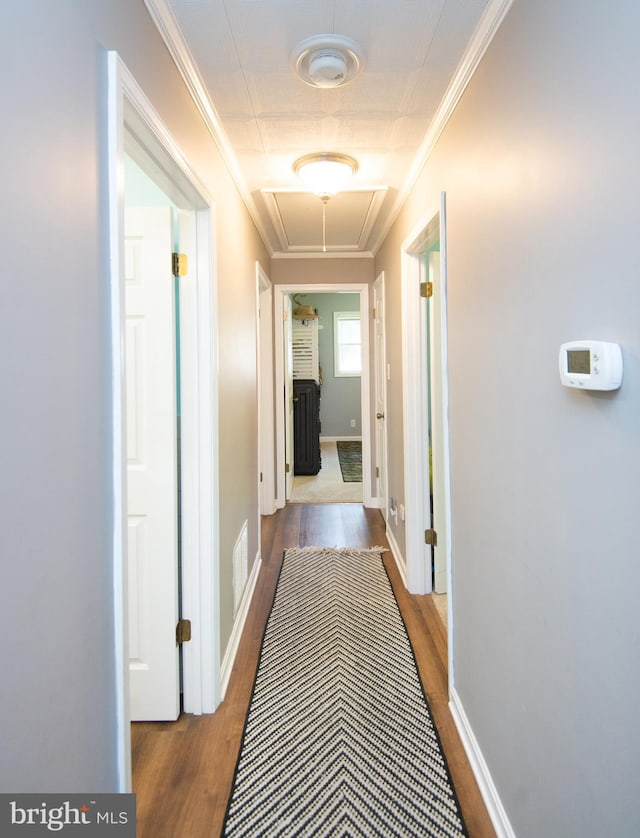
183	771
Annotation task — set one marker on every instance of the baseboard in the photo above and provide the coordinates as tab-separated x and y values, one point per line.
480	770
238	626
398	557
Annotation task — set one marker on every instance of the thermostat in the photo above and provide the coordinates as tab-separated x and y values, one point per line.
590	365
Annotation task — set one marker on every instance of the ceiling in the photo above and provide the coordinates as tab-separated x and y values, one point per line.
236	56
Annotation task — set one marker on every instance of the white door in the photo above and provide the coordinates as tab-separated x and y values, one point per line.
288	397
380	394
151	465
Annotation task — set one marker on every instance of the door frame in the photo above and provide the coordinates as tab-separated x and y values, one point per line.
264	366
380	359
280	292
415	358
130	113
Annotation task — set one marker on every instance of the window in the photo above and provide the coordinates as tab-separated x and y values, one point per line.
347	353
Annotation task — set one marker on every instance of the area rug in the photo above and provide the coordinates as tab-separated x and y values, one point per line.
339	739
350	457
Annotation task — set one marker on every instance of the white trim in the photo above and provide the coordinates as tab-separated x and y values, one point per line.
380	375
418	573
200	566
484	33
273	209
416	455
238	625
415	361
480	769
115	142
397	555
343	438
169	29
314	254
280	292
165	21
264	366
339	317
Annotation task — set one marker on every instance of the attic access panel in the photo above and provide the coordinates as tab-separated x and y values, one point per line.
349	218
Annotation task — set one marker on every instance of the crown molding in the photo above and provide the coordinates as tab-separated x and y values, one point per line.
318	254
170	32
484	33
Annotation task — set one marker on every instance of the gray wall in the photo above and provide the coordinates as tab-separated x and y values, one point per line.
541	166
340	397
57	694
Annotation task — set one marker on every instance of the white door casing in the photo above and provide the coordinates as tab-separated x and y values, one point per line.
151	465
416	356
438	424
380	398
281	292
264	365
132	121
288	397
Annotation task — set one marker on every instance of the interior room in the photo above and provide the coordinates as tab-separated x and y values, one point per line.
479	174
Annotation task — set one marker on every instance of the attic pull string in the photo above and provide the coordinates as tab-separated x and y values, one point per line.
324	200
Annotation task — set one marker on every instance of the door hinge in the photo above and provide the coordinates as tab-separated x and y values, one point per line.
183	631
431	538
286	468
179	264
261	477
374	313
377	471
426	289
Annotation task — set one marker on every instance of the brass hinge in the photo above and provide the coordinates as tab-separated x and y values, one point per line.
179	264
431	538
426	289
286	468
374	313
377	471
183	631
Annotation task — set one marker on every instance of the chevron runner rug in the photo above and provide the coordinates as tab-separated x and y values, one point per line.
339	740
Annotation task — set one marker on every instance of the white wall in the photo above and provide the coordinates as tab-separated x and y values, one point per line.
541	167
57	699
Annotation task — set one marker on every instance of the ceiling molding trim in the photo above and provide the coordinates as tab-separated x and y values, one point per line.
330	254
170	32
484	33
377	200
271	203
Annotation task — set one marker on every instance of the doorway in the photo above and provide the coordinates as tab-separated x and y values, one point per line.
427	483
264	366
135	129
284	377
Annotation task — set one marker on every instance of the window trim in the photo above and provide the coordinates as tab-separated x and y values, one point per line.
340	316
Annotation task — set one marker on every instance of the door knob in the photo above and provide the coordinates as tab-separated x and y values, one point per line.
379	415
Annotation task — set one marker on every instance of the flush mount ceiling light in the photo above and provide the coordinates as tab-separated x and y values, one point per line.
325	173
327	60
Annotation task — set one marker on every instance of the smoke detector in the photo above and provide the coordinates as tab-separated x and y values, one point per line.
327	60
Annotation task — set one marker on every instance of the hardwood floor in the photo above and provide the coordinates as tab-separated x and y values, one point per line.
183	771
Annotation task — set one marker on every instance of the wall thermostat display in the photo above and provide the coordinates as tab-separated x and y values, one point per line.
590	365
